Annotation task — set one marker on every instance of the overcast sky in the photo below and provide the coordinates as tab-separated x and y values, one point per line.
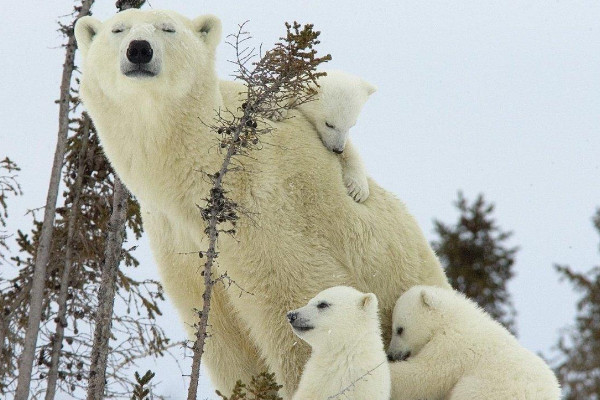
498	97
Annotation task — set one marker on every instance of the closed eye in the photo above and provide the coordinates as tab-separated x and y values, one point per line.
322	305
399	331
327	124
168	28
118	29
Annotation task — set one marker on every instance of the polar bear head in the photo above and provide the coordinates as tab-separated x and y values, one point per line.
339	100
417	318
147	53
336	316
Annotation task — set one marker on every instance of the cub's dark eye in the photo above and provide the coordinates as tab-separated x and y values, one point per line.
399	331
327	124
118	29
322	305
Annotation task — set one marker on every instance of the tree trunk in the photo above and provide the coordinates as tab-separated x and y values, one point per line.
201	334
64	280
43	251
106	295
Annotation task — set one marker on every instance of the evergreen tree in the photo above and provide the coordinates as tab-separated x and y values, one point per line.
73	274
579	347
476	258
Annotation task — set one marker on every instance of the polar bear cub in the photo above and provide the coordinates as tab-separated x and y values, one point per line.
334	110
348	358
447	347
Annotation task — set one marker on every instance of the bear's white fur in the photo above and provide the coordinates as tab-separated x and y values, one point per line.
348	360
333	111
301	233
453	350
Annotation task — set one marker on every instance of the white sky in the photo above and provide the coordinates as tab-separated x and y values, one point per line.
497	97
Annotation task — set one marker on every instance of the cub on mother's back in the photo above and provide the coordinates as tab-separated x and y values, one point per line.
333	111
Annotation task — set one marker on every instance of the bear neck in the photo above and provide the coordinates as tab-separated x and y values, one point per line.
363	340
161	135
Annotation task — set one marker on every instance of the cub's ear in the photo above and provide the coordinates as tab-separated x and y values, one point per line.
370	89
85	30
368	301
429	300
209	28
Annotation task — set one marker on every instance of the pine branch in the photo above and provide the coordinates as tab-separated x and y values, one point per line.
8	186
262	387
140	391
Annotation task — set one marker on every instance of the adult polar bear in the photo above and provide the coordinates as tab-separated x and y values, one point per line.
149	83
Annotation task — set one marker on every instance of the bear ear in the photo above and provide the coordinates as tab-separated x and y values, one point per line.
370	89
428	299
368	301
209	28
85	30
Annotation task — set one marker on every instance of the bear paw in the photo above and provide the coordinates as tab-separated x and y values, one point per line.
358	188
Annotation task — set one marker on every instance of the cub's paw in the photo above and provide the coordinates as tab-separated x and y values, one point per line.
358	188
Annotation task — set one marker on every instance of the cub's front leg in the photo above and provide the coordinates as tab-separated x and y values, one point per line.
354	174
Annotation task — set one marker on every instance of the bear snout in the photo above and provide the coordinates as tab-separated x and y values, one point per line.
292	316
139	52
400	356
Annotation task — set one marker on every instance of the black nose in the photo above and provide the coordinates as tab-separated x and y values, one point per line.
291	316
139	52
391	357
338	151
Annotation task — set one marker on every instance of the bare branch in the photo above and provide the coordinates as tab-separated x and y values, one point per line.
354	382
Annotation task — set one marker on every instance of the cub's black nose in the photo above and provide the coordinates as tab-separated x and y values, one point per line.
338	151
291	316
139	52
391	357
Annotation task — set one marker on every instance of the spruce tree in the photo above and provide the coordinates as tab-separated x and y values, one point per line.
578	367
477	260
